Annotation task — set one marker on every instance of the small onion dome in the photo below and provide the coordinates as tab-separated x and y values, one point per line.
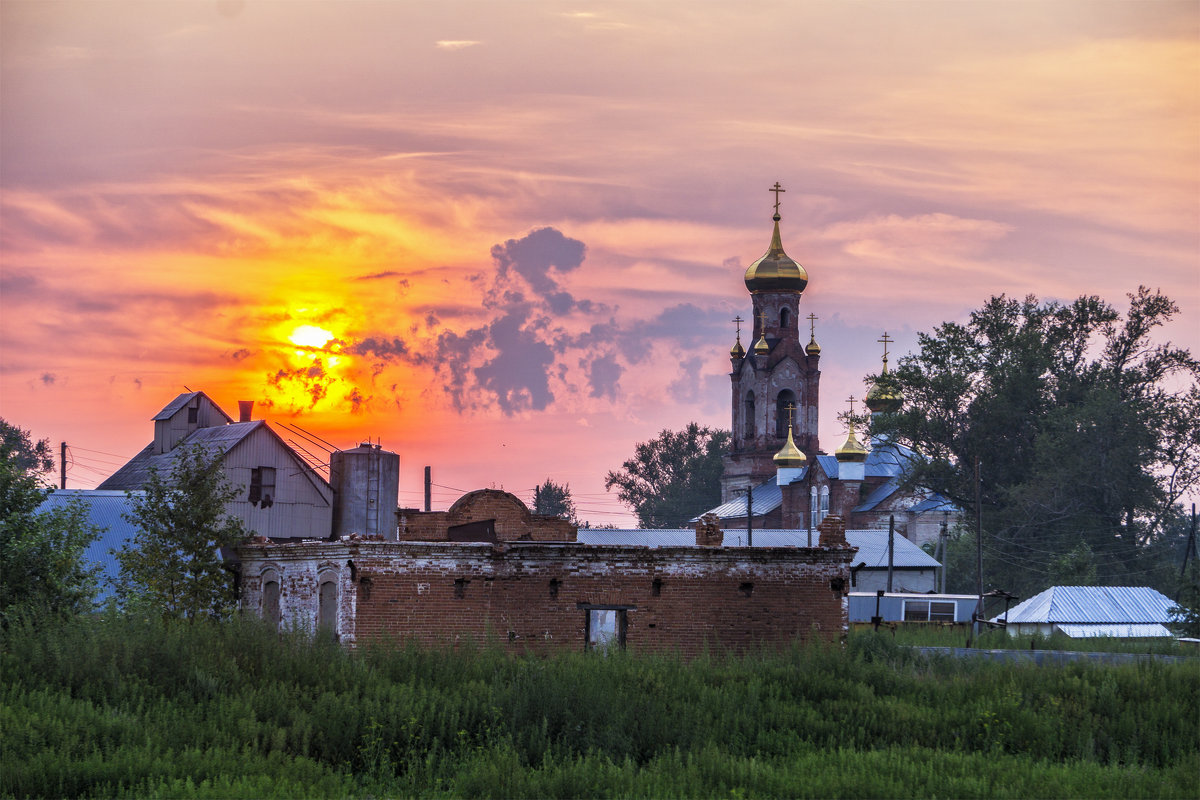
884	400
812	348
761	348
775	271
851	450
790	455
737	351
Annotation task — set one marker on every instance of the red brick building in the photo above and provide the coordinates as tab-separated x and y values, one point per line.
530	591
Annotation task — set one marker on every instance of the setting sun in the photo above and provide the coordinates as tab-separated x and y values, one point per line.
310	336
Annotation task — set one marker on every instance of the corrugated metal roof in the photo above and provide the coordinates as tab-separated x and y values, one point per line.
767	498
217	440
1115	631
887	459
179	402
829	464
105	510
880	493
1094	605
872	545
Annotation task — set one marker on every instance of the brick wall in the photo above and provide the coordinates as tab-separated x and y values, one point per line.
514	521
531	597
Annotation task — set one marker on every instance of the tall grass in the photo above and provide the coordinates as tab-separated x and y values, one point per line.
120	707
933	635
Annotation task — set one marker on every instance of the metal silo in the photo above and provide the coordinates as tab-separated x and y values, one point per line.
366	483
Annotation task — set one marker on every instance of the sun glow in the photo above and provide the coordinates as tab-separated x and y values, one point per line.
310	336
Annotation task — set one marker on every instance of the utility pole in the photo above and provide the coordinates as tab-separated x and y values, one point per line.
750	515
1191	545
62	467
942	552
429	488
891	548
978	550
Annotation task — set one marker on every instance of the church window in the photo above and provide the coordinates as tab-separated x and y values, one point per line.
786	398
785	317
812	507
327	604
749	426
823	512
270	598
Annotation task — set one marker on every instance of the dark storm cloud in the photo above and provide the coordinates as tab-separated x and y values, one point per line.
518	375
604	373
381	348
533	256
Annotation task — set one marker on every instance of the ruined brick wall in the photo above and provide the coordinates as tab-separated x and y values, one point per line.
532	597
514	521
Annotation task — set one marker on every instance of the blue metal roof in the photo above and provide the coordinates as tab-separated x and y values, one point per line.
880	493
829	464
105	510
1098	605
887	459
872	544
767	498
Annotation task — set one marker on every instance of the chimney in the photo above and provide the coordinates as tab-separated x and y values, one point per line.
708	531
245	410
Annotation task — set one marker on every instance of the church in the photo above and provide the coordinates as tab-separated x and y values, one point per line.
776	476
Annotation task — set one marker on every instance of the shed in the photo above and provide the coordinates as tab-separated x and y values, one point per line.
1125	612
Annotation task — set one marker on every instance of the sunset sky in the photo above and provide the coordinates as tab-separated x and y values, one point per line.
507	239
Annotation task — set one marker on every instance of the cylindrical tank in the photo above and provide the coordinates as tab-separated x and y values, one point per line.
366	483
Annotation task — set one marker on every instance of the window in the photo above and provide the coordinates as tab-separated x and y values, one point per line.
262	486
193	415
605	628
928	611
327	608
812	507
823	509
749	426
785	316
270	601
786	398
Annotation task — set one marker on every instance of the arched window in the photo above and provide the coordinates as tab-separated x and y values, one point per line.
785	316
786	398
327	607
812	507
824	510
749	422
270	596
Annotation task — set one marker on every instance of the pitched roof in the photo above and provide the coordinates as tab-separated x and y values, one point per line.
1094	605
767	498
171	408
871	544
216	441
105	510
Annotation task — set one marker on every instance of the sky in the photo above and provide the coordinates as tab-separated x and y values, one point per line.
507	240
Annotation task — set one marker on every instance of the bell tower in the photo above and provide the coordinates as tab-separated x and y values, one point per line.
776	372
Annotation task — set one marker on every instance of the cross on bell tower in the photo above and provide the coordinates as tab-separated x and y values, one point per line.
776	382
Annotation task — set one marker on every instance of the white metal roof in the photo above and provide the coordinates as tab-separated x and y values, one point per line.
872	544
1097	605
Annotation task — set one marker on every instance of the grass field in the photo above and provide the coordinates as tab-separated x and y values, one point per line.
118	707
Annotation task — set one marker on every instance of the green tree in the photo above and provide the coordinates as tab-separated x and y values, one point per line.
43	571
673	477
1086	430
554	500
173	564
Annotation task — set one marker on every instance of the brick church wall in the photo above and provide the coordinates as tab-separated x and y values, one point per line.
534	597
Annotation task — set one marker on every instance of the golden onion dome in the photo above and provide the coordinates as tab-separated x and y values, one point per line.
761	348
790	455
776	271
851	450
812	348
737	351
884	399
